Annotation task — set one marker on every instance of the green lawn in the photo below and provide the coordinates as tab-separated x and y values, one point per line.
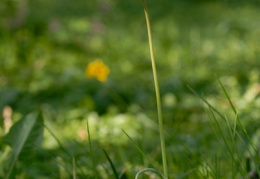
46	46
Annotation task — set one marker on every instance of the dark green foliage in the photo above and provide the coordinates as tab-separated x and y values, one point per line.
24	137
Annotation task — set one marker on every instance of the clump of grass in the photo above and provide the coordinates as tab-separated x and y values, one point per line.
237	166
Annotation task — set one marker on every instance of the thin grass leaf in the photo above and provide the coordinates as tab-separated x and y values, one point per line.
232	106
229	100
219	139
225	118
225	141
238	118
235	127
111	164
230	129
58	141
232	137
194	92
207	167
215	110
187	173
138	148
91	152
212	125
157	91
233	147
242	126
141	147
240	123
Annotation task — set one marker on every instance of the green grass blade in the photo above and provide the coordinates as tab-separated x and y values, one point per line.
58	141
235	127
139	149
232	106
238	119
225	141
111	164
91	152
222	136
157	91
186	174
229	100
214	109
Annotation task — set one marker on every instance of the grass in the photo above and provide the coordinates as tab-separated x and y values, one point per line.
157	91
42	64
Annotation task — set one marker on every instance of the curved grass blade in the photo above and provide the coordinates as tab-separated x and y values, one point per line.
214	109
139	149
111	164
150	170
58	141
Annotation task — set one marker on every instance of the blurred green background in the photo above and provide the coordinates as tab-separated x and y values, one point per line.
46	45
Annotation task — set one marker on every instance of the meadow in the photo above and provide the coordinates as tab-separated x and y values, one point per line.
77	96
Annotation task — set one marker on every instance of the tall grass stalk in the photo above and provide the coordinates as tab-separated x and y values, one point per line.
165	168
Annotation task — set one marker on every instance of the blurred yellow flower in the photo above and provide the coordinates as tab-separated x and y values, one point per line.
98	70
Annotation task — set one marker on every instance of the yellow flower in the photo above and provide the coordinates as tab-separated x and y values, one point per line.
98	70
